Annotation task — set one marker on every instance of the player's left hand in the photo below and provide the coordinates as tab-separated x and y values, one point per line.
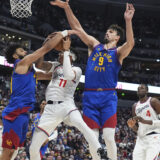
59	3
128	15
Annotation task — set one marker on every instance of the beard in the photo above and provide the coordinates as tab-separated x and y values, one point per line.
106	40
21	57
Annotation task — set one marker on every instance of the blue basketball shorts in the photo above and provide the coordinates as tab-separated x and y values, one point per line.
14	132
100	109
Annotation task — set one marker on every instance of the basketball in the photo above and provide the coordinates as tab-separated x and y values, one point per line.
59	46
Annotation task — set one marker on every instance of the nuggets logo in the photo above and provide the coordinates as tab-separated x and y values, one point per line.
9	142
101	59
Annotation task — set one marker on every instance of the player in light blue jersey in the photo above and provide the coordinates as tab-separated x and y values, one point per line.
23	83
104	63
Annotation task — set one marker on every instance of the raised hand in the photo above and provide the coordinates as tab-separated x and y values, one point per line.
66	43
128	15
59	3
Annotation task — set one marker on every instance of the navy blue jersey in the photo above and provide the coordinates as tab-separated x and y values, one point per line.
102	68
23	87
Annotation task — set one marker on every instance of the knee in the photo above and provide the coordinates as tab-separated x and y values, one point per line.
109	134
33	150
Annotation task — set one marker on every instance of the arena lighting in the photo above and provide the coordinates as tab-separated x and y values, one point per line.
120	85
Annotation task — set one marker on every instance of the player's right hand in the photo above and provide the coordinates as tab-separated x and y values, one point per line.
59	3
131	122
66	43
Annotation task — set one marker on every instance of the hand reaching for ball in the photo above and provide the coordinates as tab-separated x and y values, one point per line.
66	43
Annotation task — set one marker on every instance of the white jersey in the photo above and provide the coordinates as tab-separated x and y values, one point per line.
146	111
59	88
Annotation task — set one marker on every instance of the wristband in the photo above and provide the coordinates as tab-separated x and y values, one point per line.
64	33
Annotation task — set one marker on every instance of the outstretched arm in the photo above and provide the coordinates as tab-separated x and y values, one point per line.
24	64
74	23
125	49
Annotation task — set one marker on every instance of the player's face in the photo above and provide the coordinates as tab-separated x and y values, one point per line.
142	91
42	106
21	53
111	35
60	58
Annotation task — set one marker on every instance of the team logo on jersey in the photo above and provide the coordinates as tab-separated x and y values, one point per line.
9	142
101	57
139	110
57	73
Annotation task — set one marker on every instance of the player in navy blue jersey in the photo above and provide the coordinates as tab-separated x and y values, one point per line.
104	63
23	84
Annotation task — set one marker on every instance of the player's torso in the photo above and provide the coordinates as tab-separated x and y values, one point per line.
146	111
102	68
59	88
23	87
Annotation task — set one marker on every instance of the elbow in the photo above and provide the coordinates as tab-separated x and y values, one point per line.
69	77
39	65
131	43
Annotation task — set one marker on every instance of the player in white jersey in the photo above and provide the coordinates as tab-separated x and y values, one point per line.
61	107
146	122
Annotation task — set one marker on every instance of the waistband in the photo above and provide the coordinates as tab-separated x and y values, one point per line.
151	133
99	89
54	102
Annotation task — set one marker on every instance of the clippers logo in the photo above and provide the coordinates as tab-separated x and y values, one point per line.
139	110
9	142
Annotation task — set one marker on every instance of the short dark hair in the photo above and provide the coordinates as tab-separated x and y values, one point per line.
9	51
42	100
120	31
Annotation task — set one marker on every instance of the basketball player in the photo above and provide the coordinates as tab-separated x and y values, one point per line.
35	123
23	83
104	63
61	107
146	122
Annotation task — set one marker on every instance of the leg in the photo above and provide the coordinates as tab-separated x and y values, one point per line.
38	139
153	146
7	154
49	120
14	154
109	121
139	152
109	138
13	135
77	121
96	131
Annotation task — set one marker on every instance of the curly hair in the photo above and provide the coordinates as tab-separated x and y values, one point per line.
120	31
9	51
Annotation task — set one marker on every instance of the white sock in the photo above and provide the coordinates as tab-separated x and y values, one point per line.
109	138
38	139
77	121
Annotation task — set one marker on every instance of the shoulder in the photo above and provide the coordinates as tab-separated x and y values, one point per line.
134	105
154	101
